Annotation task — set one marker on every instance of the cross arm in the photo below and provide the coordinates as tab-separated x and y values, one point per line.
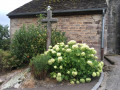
52	20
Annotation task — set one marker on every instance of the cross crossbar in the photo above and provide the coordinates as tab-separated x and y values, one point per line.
52	20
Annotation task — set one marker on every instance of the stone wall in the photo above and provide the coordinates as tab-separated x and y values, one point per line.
16	23
113	23
82	28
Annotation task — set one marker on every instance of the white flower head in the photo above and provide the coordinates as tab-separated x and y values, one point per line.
63	49
75	47
55	67
59	79
50	47
72	42
53	52
60	59
66	46
46	52
96	57
57	49
59	75
68	72
58	54
84	46
68	50
49	62
62	44
52	60
61	67
90	63
83	54
74	73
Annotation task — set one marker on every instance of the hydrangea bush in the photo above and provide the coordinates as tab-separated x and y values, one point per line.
73	62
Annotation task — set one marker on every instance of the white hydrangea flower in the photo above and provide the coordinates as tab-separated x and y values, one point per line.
59	75
50	47
94	74
74	73
77	54
56	46
63	49
72	82
49	62
55	67
62	44
57	49
84	46
60	59
68	72
59	79
83	54
53	52
96	57
54	76
75	47
66	46
58	54
102	63
68	50
61	67
72	42
53	60
90	63
46	52
58	43
91	55
49	50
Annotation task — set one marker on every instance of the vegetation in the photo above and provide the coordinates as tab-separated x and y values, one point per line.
4	37
7	61
31	40
39	66
74	62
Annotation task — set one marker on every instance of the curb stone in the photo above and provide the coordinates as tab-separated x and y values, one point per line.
109	60
99	82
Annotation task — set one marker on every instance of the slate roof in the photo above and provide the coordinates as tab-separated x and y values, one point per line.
39	6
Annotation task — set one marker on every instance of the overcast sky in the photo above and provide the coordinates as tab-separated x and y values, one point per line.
7	6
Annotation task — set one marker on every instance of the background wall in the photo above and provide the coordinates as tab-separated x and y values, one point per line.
82	28
113	36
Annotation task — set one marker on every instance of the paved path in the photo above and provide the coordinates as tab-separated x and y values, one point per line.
112	78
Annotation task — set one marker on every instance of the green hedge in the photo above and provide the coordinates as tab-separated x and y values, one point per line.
30	41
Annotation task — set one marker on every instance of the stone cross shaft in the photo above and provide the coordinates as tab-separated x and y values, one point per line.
49	20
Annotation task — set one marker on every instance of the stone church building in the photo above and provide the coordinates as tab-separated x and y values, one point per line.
94	22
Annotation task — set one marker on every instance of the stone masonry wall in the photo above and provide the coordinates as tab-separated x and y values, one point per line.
82	28
113	23
16	23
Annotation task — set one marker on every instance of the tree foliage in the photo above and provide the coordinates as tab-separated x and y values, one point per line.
4	37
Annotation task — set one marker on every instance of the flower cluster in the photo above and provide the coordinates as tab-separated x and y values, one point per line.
74	62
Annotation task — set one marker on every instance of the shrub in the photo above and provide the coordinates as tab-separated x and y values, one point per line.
4	37
39	66
30	41
74	62
7	61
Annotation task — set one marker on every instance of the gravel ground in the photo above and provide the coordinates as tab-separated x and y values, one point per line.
86	86
28	83
112	75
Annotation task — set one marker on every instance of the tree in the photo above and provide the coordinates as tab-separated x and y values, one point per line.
4	37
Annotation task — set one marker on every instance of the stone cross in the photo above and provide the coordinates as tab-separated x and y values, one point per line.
49	20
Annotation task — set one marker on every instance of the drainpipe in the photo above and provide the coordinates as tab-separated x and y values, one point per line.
103	30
